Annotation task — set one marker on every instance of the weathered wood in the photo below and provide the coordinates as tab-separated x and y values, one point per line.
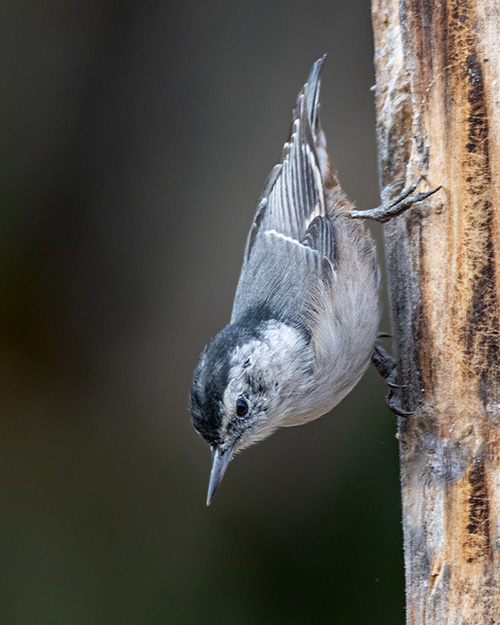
438	114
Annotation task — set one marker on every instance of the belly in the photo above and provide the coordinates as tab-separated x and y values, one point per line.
343	346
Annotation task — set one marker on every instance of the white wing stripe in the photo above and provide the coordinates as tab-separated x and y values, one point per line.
296	195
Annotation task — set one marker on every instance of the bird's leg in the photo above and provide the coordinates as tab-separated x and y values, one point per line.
393	206
386	367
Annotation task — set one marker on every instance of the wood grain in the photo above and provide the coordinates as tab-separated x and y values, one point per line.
438	115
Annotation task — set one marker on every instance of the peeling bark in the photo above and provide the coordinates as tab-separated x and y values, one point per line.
438	115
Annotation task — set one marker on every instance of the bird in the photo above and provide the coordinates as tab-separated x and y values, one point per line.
304	322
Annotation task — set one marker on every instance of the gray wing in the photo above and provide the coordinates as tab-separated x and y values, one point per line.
320	235
291	232
277	279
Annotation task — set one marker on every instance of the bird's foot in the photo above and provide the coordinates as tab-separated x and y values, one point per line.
386	367
393	206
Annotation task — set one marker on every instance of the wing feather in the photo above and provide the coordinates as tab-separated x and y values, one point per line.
278	278
293	194
298	190
320	235
291	231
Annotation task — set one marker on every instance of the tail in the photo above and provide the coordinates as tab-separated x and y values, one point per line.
312	90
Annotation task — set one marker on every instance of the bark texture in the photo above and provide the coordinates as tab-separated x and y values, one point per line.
438	115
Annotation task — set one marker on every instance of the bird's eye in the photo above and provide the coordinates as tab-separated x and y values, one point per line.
241	407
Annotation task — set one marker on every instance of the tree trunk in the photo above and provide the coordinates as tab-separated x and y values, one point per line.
438	115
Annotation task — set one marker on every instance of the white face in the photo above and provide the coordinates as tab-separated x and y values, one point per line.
263	381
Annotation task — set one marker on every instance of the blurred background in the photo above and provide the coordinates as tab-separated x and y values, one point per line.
135	138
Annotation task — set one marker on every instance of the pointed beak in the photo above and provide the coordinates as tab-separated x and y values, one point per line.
220	460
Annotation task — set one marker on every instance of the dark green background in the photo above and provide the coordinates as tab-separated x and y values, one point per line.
135	138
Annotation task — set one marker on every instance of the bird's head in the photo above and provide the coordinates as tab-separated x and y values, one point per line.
243	388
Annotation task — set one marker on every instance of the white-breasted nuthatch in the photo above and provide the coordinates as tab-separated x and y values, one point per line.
306	311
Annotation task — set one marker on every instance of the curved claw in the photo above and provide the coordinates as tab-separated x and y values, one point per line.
393	406
391	208
387	369
393	185
422	196
405	192
394	385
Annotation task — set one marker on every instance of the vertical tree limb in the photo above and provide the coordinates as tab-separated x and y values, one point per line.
438	114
